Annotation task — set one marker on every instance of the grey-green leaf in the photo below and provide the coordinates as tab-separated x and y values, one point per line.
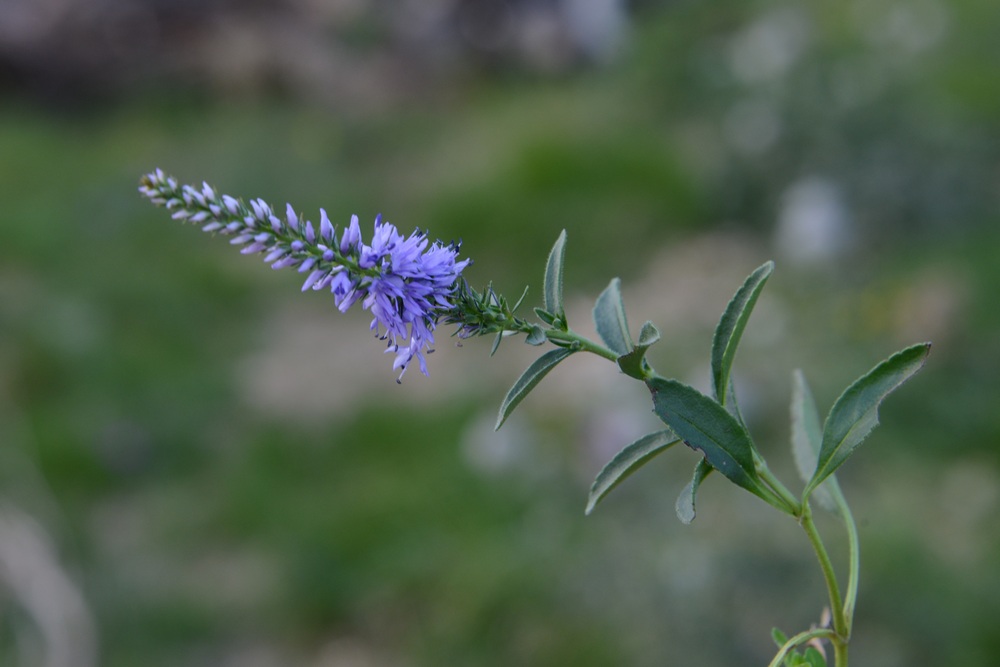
807	437
814	658
496	343
609	316
520	300
545	316
632	364
706	426
536	337
648	335
628	460
730	329
731	405
528	380
685	505
855	413
553	284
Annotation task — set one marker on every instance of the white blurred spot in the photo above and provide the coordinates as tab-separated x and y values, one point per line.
916	25
766	49
908	27
813	225
596	26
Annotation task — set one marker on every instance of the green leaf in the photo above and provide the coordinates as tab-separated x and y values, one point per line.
520	299
633	364
628	460
806	441
706	426
496	343
779	637
609	316
686	501
553	293
545	316
528	380
536	337
731	405
648	335
814	658
730	329
855	413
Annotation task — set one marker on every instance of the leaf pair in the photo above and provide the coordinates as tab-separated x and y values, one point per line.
553	314
713	427
851	419
612	327
609	318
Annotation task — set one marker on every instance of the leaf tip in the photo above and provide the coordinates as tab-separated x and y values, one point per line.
685	513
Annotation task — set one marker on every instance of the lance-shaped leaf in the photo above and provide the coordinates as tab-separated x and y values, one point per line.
627	461
609	316
806	440
706	426
528	380
855	413
553	283
520	300
731	326
496	343
633	364
685	505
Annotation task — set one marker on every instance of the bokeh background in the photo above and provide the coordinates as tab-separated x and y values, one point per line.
201	466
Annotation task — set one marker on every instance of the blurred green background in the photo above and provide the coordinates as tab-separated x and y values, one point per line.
201	466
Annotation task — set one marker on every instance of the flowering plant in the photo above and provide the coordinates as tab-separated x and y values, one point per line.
411	285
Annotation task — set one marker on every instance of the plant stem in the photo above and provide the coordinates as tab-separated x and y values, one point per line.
560	337
841	630
839	652
788	499
854	549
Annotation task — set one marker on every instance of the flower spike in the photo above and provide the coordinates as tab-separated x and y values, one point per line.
408	283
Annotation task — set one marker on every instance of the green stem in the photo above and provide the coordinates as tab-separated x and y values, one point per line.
839	652
840	626
855	560
769	495
791	503
573	339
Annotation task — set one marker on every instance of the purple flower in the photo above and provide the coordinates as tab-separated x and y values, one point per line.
407	283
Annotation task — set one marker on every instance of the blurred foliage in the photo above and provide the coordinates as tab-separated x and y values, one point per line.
207	530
